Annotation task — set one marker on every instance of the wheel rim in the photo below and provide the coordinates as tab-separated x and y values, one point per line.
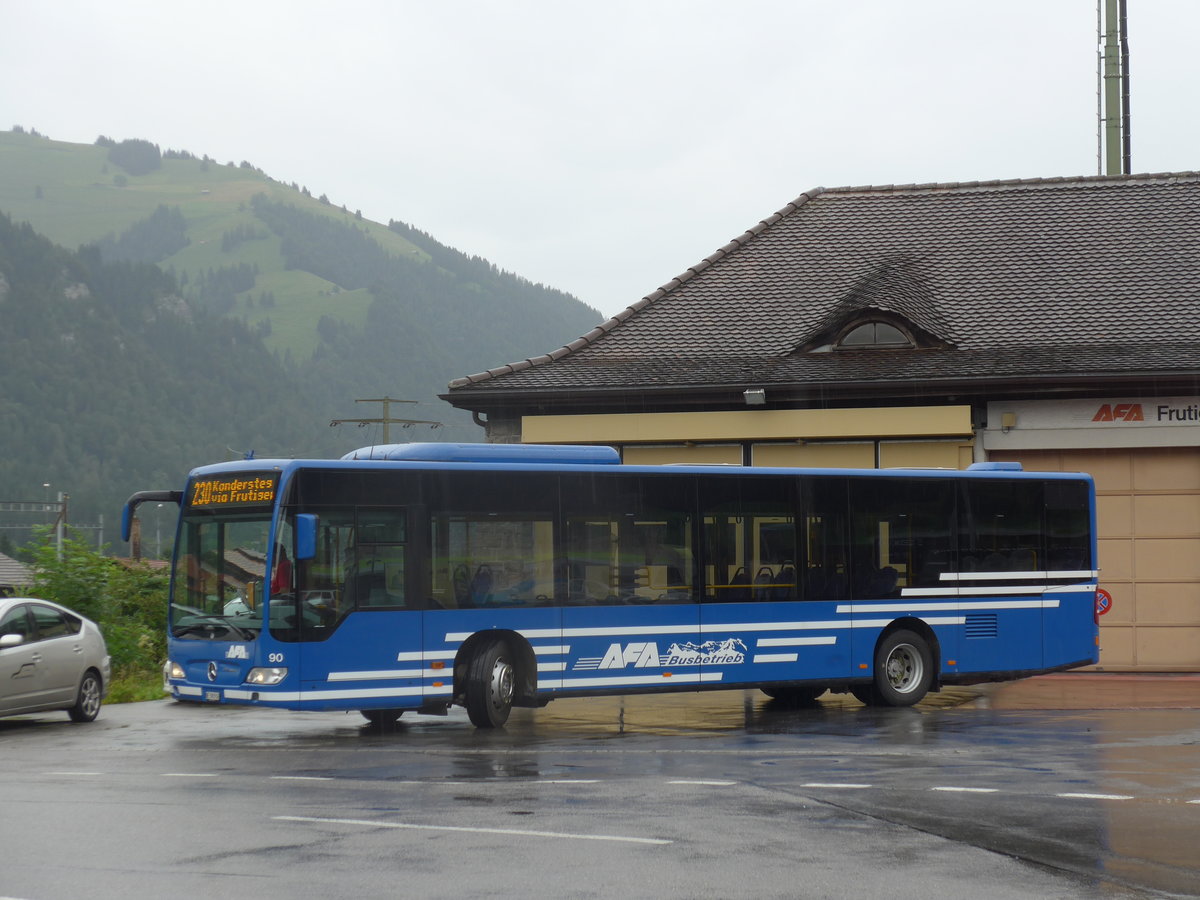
500	689
904	668
89	696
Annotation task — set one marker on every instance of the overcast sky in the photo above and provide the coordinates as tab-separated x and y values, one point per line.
601	148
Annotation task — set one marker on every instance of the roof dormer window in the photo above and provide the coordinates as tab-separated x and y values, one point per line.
874	335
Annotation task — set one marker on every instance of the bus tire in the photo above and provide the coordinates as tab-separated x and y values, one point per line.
381	716
903	669
795	695
491	682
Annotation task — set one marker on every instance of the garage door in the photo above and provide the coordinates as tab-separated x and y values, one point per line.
1148	507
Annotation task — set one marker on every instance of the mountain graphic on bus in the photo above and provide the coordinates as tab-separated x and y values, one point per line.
730	651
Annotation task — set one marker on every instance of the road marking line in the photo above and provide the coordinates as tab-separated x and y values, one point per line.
965	790
188	775
1194	801
568	781
509	831
1074	796
713	783
835	784
302	778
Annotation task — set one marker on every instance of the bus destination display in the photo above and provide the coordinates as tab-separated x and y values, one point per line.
245	490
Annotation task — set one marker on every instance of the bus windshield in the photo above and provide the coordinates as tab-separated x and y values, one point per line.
220	572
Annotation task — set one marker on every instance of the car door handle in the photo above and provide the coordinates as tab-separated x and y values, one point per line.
78	649
37	657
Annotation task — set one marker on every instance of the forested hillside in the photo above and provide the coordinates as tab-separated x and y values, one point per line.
111	382
198	310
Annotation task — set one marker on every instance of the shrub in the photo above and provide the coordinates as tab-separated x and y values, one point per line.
128	603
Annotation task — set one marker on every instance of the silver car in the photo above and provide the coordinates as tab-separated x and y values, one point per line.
50	658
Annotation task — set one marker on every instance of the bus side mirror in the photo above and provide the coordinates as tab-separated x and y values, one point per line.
306	536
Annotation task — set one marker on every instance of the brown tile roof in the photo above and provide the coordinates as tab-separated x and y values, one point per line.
13	574
1016	278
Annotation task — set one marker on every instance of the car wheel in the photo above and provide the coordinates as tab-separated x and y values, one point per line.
87	702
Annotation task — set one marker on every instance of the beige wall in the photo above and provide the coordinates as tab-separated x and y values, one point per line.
697	454
833	454
748	425
1148	511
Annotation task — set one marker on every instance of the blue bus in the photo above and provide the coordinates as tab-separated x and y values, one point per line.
414	577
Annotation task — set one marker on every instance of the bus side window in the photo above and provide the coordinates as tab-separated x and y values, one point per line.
902	535
628	539
826	567
1068	526
1000	529
750	541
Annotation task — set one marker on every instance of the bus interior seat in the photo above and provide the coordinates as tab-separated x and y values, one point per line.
739	586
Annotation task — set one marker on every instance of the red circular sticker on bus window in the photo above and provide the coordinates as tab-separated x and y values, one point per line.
1103	601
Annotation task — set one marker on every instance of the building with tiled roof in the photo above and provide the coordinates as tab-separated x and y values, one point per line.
1051	321
14	576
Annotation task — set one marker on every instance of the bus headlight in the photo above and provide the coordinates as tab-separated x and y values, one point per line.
266	676
175	670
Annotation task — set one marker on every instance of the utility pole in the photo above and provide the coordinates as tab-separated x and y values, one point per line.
386	419
1117	157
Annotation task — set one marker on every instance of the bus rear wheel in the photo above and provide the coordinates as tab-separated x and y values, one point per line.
491	681
903	669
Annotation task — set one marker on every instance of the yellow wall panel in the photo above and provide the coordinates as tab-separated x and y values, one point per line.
1116	647
1167	648
1110	468
1167	559
820	456
1167	469
1170	603
1167	514
698	454
1114	515
750	424
919	454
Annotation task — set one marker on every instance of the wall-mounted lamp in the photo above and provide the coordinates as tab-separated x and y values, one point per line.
755	397
1008	421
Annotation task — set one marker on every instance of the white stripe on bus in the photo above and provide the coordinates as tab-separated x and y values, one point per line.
990	590
776	657
796	641
455	637
969	606
629	681
383	675
422	655
1003	576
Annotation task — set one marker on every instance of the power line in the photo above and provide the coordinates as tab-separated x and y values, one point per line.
386	419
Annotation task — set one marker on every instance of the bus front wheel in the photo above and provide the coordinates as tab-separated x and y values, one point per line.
903	669
491	682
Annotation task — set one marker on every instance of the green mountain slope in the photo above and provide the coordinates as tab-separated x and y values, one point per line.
75	194
212	309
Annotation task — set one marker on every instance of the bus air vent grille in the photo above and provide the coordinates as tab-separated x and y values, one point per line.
982	625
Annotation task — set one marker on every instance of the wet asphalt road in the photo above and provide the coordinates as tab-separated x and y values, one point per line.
600	798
